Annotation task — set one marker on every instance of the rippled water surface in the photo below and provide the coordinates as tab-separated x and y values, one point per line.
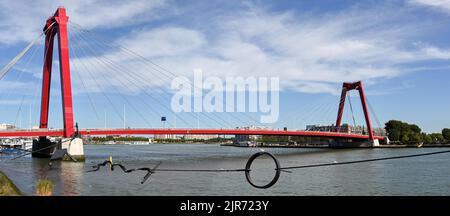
429	175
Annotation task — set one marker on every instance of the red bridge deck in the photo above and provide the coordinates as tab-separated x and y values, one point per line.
36	133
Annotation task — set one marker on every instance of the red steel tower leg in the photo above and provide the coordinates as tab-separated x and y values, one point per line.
57	25
46	79
358	86
341	106
366	111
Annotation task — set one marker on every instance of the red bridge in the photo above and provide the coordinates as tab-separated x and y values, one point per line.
56	26
60	133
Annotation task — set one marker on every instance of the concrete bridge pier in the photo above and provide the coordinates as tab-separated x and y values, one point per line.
349	143
74	147
45	148
375	143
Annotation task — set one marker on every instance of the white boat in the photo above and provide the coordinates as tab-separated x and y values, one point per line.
18	143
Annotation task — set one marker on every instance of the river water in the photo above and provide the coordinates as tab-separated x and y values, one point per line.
428	175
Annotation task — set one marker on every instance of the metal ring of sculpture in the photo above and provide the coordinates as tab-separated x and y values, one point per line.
248	170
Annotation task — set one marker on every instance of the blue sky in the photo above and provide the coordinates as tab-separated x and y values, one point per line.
400	49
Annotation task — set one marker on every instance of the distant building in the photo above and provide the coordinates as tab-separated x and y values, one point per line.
4	126
318	128
244	138
167	136
186	137
200	136
345	128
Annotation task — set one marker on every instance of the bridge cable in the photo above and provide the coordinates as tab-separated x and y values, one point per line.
11	64
321	112
148	61
310	109
131	72
326	112
124	98
316	111
74	52
21	72
110	66
18	78
91	102
331	115
98	85
309	112
374	113
351	109
86	90
36	96
118	68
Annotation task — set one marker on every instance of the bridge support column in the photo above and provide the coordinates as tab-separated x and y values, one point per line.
43	148
57	26
74	148
375	143
349	143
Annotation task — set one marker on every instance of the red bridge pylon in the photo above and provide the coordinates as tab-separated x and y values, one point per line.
57	25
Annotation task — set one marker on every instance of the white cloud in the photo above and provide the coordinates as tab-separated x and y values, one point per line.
443	5
314	87
323	51
9	87
435	52
108	13
163	42
23	21
15	102
309	52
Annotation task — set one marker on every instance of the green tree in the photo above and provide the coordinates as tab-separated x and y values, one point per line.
437	137
405	139
427	139
414	128
446	133
397	130
416	137
394	130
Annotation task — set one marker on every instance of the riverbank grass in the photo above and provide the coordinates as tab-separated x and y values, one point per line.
7	187
44	188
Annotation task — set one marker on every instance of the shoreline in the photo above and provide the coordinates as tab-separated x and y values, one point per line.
162	143
447	145
326	146
7	186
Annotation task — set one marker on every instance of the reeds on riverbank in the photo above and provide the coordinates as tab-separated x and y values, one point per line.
44	188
